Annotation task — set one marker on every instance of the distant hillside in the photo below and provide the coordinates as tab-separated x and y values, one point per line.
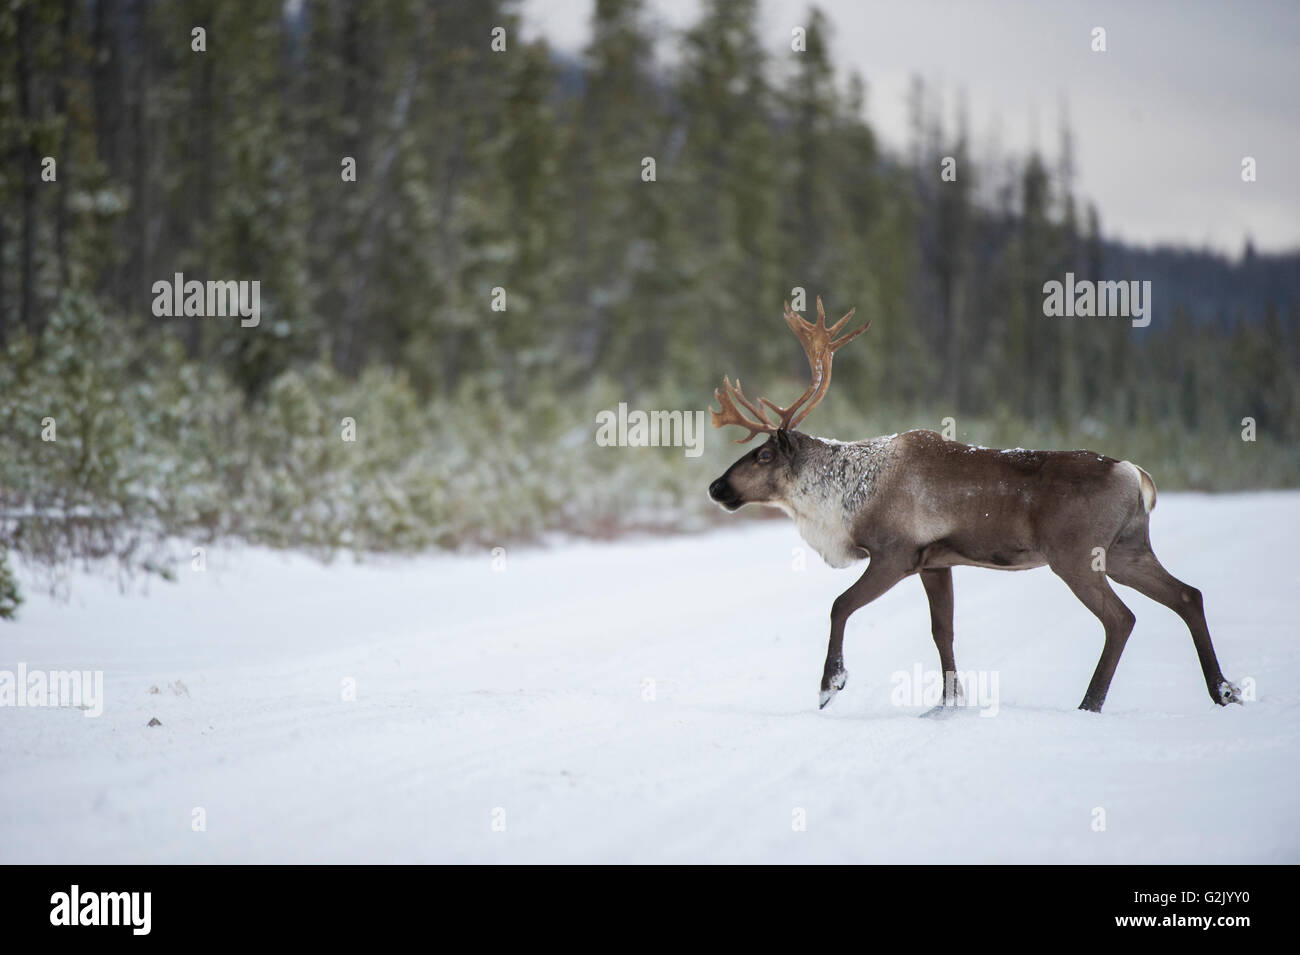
1210	287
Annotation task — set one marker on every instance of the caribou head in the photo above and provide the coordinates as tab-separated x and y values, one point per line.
767	474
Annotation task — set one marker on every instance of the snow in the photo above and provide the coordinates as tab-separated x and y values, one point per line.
508	715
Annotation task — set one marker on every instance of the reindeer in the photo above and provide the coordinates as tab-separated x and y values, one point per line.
918	503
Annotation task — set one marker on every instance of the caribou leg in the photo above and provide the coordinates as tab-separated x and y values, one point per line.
1094	591
879	577
938	588
1131	562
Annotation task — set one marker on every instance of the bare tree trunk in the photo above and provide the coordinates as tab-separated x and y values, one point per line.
201	99
29	162
65	147
353	314
136	296
4	308
107	85
955	304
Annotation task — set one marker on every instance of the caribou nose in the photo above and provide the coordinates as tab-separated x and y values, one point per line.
718	490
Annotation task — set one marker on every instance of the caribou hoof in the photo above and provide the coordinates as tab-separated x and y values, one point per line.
831	686
1229	693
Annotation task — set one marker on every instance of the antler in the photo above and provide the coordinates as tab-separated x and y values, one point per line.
820	345
730	414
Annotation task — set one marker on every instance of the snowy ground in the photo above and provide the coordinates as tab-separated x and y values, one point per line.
524	697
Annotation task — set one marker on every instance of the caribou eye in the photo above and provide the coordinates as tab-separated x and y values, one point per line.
765	456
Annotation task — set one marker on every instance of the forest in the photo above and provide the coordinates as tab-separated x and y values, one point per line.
463	258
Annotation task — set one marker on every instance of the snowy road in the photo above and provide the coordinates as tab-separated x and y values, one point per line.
654	701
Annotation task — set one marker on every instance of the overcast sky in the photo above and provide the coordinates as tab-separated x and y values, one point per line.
1161	120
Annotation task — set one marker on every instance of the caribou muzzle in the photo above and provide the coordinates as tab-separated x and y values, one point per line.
723	493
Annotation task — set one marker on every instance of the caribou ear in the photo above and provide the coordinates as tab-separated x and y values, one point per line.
783	441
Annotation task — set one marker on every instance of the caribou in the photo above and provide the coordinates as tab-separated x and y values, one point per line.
918	503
